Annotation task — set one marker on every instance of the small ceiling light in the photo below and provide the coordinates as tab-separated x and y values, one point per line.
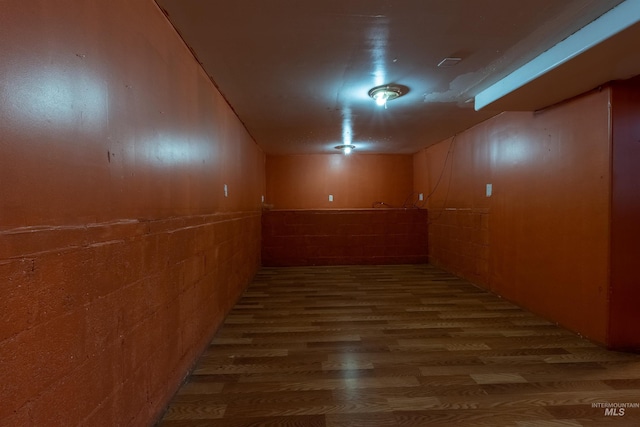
384	93
346	148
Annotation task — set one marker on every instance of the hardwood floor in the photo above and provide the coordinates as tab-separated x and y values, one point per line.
398	346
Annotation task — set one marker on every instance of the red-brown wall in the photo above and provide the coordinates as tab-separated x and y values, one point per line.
344	237
355	181
625	216
119	252
357	227
542	238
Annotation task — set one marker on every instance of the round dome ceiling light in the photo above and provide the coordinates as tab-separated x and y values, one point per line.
384	93
345	148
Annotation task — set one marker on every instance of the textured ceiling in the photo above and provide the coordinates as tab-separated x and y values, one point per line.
297	72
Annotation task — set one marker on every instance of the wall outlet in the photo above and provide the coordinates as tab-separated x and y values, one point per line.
226	191
331	197
263	199
489	190
421	196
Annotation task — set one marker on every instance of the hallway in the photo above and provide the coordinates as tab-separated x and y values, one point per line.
407	345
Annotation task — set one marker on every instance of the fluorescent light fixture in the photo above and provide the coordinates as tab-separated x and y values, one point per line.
614	21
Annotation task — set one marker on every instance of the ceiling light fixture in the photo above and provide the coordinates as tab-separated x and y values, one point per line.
384	93
346	148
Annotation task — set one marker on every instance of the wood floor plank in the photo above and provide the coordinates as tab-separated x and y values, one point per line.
378	346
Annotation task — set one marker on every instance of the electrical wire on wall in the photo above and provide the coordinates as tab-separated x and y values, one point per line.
413	201
444	167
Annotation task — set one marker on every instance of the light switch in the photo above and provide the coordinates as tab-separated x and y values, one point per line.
421	196
489	190
226	191
331	197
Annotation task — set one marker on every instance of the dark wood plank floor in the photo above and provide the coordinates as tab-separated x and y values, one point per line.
398	346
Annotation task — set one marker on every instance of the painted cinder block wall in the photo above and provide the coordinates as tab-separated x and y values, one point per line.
119	252
344	237
371	220
543	239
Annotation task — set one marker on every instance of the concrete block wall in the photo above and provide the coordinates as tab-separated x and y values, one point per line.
344	237
120	252
100	324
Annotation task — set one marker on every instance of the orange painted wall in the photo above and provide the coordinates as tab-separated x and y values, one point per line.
541	239
119	253
355	181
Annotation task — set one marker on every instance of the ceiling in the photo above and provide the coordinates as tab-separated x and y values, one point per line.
297	72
